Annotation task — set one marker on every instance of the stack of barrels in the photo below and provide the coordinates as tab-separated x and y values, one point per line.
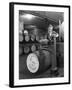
27	43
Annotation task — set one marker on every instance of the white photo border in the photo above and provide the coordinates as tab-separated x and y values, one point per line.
41	81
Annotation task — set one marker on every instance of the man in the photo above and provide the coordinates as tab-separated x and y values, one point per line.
51	33
52	36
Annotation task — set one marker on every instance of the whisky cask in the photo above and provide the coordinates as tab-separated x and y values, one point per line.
38	61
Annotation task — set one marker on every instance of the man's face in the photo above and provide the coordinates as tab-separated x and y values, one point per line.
50	29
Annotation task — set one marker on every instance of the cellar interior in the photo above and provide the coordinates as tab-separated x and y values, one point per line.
41	52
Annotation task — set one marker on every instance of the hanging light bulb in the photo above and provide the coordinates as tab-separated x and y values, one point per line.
28	16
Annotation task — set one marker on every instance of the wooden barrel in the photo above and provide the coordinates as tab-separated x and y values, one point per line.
27	38
26	49
32	38
20	37
20	50
38	61
33	48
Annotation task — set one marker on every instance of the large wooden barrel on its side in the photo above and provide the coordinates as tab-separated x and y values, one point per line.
38	61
